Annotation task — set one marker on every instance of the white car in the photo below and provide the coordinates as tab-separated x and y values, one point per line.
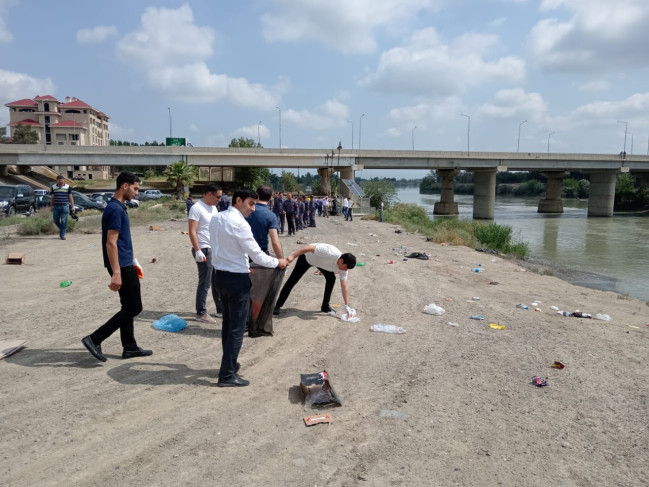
151	194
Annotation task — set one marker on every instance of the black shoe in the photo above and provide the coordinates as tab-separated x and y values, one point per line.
95	350
235	381
136	353
276	311
328	309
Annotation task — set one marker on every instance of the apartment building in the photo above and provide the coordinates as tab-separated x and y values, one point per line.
73	122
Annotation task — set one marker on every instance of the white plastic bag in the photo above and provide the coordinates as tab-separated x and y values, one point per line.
433	309
602	317
350	315
380	327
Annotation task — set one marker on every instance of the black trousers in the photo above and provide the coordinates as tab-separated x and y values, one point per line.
234	290
301	266
290	221
131	301
349	215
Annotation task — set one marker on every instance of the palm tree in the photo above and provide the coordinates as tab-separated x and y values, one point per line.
180	174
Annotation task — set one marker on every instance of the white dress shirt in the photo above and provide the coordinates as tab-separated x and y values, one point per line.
232	243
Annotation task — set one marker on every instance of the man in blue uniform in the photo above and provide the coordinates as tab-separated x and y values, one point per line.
124	269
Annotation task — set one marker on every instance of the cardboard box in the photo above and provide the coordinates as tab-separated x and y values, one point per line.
16	259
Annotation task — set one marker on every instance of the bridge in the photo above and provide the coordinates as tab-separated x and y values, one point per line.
603	168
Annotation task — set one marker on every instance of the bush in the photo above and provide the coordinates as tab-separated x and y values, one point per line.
499	237
38	225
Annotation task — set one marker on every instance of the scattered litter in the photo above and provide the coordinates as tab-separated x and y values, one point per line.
362	255
155	228
451	299
540	381
373	235
602	317
522	306
558	365
633	326
317	390
324	418
15	258
380	327
478	269
487	251
496	326
154	260
493	283
352	244
538	310
360	264
398	231
9	347
475	298
536	303
65	284
172	323
391	413
429	239
433	309
477	317
350	315
418	255
184	233
450	323
555	308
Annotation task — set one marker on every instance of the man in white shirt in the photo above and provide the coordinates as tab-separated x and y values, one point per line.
232	245
200	215
329	261
345	206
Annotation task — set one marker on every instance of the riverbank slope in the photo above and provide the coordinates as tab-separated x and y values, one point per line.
438	405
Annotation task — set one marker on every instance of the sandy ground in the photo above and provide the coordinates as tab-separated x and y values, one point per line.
438	405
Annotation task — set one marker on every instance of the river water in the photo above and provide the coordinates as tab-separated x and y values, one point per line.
602	253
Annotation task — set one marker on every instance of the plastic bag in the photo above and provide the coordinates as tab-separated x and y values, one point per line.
433	309
387	328
171	323
602	317
350	316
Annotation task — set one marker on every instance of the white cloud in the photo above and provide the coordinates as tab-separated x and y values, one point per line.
117	132
332	113
96	34
427	66
343	25
172	50
436	109
14	86
515	103
392	132
251	132
597	85
598	36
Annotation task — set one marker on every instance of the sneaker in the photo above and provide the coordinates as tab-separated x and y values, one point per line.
206	318
62	237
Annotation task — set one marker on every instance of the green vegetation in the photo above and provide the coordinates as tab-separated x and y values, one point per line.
3	135
380	189
42	225
24	134
628	195
454	231
180	174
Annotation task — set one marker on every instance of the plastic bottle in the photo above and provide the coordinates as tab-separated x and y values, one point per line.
65	283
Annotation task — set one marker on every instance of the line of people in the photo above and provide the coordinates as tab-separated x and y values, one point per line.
224	244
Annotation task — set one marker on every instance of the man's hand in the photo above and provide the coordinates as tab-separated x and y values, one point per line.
283	263
115	282
290	258
200	256
138	269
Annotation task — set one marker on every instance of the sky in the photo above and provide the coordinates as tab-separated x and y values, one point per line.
487	75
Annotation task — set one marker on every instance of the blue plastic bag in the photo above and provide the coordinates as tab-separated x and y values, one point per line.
171	323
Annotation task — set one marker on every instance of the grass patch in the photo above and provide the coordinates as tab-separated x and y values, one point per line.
38	225
455	231
7	221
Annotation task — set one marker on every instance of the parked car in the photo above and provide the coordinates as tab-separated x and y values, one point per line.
43	201
40	192
18	199
151	194
86	203
107	197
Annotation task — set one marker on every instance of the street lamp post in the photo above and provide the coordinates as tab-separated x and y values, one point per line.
518	145
258	135
550	135
626	126
631	134
280	128
413	138
468	133
360	126
349	121
169	108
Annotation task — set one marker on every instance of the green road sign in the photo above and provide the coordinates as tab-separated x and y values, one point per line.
177	141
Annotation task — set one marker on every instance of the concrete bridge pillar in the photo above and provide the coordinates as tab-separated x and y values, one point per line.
346	173
325	179
4	171
484	194
552	202
446	205
602	193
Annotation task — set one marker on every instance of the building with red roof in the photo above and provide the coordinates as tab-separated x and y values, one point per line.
72	122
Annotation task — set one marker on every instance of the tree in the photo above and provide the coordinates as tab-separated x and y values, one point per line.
24	134
3	135
289	184
252	177
244	142
429	184
380	189
180	174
